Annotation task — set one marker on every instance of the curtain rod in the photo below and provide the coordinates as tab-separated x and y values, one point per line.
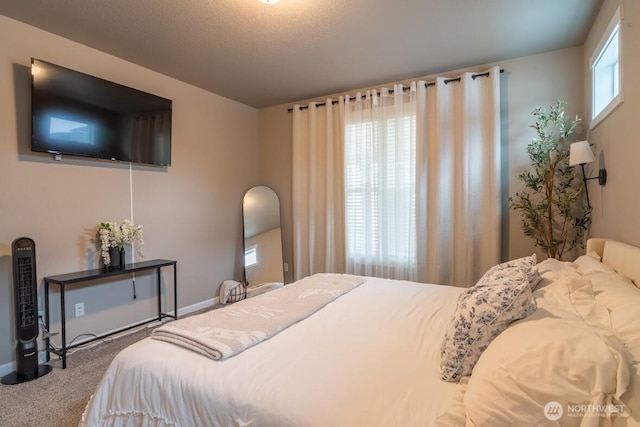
447	81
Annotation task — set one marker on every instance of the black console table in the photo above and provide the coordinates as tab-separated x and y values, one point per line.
84	276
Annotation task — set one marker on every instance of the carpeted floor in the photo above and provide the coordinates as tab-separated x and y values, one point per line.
58	399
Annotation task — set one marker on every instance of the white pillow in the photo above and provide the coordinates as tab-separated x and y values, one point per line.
622	299
552	269
555	355
587	264
483	311
553	265
594	255
573	295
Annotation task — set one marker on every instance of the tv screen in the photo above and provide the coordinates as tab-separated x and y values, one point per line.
81	115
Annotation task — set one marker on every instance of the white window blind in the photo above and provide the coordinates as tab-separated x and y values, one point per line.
380	191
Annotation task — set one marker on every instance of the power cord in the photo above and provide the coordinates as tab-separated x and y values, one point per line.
105	340
48	334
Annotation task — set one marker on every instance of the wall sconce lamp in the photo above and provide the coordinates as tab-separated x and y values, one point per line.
580	153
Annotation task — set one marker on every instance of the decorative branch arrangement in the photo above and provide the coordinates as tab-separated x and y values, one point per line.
113	235
552	214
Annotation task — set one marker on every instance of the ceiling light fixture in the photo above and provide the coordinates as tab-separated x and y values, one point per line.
269	1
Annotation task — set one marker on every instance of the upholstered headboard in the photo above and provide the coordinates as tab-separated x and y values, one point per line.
622	257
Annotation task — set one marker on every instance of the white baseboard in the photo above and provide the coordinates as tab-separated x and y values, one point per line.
11	366
198	306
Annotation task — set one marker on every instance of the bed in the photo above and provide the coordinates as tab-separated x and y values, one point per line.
375	356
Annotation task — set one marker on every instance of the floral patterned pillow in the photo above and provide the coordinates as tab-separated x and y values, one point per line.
501	297
529	263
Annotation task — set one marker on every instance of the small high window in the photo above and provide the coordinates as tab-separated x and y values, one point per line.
606	71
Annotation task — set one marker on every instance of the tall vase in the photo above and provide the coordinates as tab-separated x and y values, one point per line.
117	258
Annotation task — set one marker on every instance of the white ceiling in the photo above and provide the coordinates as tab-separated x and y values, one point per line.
268	54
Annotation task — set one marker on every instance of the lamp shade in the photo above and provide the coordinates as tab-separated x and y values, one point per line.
580	153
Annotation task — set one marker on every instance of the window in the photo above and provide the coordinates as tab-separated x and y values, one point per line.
606	71
251	256
380	191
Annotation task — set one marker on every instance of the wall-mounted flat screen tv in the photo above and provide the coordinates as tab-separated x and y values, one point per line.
81	115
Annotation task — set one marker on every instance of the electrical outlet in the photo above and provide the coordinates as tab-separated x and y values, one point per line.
285	267
41	314
79	309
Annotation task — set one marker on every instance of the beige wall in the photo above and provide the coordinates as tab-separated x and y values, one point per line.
527	83
191	211
276	159
616	205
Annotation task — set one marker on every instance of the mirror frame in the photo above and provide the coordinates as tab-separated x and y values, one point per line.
261	215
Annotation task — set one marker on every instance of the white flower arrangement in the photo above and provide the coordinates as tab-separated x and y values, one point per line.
113	235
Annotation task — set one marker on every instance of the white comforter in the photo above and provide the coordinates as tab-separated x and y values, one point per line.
370	358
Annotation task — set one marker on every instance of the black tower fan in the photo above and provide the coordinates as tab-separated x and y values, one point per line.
25	295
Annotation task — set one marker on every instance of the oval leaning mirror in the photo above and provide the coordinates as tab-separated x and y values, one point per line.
262	240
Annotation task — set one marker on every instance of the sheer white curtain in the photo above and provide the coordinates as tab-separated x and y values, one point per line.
402	184
318	189
459	186
380	168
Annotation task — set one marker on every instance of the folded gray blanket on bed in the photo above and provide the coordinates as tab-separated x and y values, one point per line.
224	332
